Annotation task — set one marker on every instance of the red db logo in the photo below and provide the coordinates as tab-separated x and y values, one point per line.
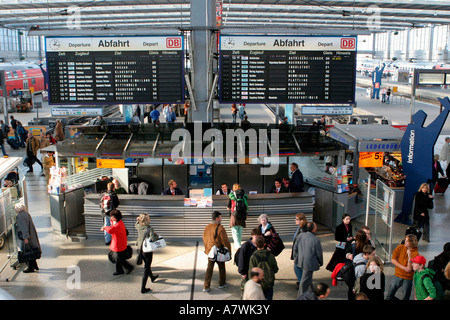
173	42
348	43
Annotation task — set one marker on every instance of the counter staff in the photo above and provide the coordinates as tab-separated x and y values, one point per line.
172	190
223	190
278	187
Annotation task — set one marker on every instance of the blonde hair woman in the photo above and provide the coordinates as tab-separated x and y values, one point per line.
145	230
373	281
301	222
423	201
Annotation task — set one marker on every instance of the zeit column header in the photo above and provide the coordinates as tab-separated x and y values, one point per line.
115	69
287	69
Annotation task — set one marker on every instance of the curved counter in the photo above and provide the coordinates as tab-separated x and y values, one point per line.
172	220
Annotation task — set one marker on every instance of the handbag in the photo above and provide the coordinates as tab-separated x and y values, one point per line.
150	246
128	253
221	254
28	254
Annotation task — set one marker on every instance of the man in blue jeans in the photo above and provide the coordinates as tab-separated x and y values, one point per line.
108	201
404	273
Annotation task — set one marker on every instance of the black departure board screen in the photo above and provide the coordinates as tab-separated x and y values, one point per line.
115	70
287	69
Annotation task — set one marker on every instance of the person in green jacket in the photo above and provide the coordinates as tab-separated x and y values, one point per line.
264	259
423	280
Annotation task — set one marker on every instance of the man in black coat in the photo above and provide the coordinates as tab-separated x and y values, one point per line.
296	183
172	190
244	253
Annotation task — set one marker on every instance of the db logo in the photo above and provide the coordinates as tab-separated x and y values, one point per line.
348	43
173	42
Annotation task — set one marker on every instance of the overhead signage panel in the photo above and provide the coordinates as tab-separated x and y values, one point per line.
431	78
327	110
115	70
287	69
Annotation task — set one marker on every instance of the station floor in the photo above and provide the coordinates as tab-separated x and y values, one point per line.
181	265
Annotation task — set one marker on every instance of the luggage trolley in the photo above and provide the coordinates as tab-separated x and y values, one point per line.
13	191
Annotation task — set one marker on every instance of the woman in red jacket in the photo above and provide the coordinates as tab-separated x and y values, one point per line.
119	242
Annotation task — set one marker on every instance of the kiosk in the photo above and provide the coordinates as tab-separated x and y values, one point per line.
374	141
147	150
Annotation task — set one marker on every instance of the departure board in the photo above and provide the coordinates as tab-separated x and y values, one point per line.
115	70
287	69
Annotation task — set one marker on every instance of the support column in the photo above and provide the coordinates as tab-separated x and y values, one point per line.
431	44
374	46
408	41
203	19
389	45
19	44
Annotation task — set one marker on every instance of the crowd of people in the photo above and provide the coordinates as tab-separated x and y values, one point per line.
354	262
31	143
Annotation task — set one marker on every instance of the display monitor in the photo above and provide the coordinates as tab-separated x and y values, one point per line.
115	69
287	69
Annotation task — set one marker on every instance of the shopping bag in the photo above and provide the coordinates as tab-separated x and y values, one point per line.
219	254
150	246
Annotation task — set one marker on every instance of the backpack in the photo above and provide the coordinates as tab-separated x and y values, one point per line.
236	256
437	284
107	202
348	272
240	210
263	263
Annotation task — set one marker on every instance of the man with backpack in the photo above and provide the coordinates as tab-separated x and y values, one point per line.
426	287
265	260
238	206
243	254
308	255
108	201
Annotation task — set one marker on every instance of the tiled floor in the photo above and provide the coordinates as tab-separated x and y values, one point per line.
56	279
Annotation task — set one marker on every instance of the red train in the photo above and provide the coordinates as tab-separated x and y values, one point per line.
22	76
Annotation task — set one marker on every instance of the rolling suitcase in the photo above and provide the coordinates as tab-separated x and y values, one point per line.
13	143
441	186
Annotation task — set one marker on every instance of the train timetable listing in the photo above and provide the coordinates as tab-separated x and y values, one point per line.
102	75
280	75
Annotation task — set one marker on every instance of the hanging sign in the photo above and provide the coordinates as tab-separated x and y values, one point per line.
370	159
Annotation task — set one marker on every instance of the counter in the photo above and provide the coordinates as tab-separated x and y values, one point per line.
172	220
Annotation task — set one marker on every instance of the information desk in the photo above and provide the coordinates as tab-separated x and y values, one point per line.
172	220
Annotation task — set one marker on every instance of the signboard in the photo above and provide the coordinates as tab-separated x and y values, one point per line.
327	110
116	70
287	69
375	146
110	163
370	159
432	76
76	112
